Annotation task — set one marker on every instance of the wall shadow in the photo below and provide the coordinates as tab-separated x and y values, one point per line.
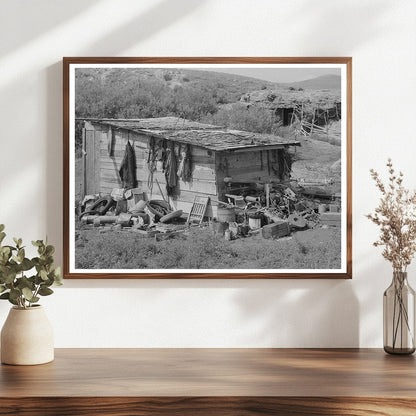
40	15
301	313
349	25
157	18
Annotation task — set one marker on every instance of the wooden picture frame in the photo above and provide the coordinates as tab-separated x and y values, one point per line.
311	110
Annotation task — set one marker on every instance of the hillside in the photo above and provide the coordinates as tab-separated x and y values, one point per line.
323	82
188	93
139	93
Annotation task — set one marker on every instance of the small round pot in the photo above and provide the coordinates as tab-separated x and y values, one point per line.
27	337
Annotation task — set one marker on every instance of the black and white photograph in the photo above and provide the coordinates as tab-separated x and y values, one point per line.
207	168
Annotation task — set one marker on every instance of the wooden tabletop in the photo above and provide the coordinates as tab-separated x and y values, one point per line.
217	374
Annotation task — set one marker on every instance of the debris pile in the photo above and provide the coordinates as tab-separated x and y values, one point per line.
275	211
270	210
131	211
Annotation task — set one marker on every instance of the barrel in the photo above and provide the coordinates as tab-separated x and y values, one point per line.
254	223
225	214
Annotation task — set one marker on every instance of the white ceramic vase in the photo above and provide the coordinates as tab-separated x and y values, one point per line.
27	337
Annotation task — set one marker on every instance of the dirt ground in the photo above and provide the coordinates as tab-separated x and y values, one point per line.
313	160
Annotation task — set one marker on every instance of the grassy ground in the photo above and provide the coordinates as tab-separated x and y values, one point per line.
201	249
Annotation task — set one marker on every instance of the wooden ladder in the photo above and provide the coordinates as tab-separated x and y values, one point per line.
199	207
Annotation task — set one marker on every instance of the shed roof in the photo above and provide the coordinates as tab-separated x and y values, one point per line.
209	136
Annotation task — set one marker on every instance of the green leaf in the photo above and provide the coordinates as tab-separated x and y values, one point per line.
7	296
8	276
5	250
13	302
43	274
24	282
49	250
26	264
47	260
14	268
2	227
21	255
58	276
2	236
27	293
2	288
11	248
37	280
17	241
45	291
15	294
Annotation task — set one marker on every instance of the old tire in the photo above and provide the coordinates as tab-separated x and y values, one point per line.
156	210
171	216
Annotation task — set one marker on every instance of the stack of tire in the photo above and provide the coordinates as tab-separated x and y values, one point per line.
159	208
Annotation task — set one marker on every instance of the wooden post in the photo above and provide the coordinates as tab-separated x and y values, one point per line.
313	121
267	190
84	165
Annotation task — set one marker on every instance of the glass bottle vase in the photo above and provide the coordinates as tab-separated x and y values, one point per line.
399	316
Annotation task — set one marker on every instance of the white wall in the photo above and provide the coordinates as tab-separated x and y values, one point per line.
380	35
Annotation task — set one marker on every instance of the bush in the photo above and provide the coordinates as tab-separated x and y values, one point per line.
255	119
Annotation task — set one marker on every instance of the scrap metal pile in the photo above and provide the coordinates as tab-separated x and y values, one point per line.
277	210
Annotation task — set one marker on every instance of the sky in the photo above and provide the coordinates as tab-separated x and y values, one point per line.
279	74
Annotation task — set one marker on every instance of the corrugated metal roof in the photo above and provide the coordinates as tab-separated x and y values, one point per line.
211	137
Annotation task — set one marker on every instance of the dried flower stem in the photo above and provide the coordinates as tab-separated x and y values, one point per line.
396	217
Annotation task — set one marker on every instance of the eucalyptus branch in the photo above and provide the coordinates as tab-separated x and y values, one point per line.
16	284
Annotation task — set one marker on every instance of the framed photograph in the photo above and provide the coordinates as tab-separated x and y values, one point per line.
207	168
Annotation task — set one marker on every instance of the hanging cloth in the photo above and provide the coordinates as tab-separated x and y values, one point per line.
128	168
170	169
185	164
111	137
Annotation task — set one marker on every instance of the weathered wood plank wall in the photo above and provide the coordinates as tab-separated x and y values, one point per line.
203	170
208	169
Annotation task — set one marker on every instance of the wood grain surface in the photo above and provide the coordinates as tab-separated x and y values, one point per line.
212	381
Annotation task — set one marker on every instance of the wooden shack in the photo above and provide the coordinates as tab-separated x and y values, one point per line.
216	153
290	104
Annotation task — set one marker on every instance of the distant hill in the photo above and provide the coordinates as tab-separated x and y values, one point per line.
188	93
323	82
229	86
158	92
